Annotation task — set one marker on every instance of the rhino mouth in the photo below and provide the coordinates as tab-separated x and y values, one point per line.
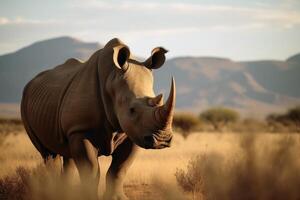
158	140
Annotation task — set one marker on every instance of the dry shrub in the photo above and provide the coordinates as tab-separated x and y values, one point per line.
269	172
15	187
43	182
195	179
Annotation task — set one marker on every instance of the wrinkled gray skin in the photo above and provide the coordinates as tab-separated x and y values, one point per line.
105	106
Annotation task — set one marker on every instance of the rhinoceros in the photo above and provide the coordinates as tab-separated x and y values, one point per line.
104	106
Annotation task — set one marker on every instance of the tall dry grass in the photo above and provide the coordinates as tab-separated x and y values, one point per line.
261	170
10	125
41	182
207	166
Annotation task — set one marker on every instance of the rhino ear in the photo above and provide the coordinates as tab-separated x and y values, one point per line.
120	56
157	58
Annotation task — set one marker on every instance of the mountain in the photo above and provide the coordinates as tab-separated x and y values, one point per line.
294	58
254	88
17	68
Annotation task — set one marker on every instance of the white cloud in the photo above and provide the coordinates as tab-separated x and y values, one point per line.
3	20
284	18
126	5
21	20
205	28
257	14
143	6
162	32
216	17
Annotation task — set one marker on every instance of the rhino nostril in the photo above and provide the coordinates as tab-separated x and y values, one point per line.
169	140
149	139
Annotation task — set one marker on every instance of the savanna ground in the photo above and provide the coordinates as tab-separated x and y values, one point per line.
202	166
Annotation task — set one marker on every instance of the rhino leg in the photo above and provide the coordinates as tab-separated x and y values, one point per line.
85	156
122	158
68	167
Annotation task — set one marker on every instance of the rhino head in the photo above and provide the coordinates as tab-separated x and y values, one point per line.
129	84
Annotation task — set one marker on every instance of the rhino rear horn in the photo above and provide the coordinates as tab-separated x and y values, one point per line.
157	58
120	56
156	101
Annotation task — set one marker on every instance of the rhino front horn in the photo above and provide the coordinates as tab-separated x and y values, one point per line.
166	111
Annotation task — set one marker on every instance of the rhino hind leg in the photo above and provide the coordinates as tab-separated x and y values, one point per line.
85	156
45	153
122	158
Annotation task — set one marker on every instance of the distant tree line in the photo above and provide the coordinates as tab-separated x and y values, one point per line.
10	125
221	119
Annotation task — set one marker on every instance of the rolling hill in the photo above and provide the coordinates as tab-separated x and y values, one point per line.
17	68
254	88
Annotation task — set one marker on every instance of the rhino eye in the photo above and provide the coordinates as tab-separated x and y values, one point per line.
132	110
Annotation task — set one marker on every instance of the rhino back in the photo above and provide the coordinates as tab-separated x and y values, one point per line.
41	103
82	107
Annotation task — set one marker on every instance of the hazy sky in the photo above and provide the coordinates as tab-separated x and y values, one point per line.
238	29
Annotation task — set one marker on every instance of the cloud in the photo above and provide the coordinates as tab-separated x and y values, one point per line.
176	16
283	18
280	14
21	20
144	6
124	5
190	28
163	32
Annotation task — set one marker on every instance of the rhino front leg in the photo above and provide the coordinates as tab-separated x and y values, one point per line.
122	159
85	156
68	167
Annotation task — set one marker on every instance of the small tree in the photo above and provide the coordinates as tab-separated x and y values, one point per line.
186	122
219	117
289	119
294	115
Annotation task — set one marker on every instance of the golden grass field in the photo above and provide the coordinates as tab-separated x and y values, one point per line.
152	175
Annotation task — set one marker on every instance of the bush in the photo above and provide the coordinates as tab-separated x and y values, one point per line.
289	119
258	173
191	180
219	117
42	182
15	187
186	122
294	114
